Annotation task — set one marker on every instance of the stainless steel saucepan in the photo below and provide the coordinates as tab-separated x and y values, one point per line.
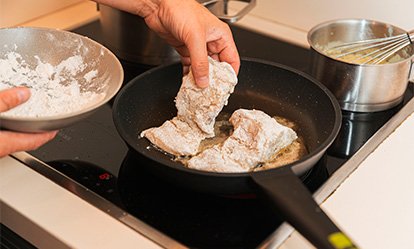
360	87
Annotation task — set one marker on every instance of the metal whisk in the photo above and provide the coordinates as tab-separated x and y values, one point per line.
372	51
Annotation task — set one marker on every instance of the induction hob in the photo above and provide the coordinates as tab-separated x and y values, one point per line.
93	154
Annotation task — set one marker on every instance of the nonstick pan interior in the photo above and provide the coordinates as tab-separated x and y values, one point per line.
148	101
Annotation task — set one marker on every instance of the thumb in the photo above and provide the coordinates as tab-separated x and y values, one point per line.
199	61
13	97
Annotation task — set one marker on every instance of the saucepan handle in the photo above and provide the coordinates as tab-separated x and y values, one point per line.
220	8
293	200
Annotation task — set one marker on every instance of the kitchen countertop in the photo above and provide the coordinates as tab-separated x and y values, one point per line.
372	202
375	202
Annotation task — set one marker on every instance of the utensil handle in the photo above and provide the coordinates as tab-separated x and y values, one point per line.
220	8
411	36
291	198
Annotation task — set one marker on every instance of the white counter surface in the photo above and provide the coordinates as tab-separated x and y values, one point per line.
374	204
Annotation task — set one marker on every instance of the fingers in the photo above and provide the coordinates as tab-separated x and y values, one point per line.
13	97
12	141
218	43
219	50
225	48
230	55
195	33
199	62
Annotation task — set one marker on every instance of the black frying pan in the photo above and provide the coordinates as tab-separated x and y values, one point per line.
148	100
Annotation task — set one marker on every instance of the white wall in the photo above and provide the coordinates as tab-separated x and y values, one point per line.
283	19
290	20
304	14
15	12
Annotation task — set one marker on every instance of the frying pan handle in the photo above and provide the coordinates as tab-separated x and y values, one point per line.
291	198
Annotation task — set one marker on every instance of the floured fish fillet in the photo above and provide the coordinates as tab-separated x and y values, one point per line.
197	111
256	137
175	137
200	106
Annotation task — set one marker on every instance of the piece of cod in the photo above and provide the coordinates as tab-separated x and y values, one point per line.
197	111
256	137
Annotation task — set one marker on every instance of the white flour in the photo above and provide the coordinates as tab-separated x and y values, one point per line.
55	90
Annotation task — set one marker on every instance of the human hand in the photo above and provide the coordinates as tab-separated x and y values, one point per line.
11	141
195	33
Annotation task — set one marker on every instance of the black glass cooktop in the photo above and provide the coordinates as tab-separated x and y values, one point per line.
92	153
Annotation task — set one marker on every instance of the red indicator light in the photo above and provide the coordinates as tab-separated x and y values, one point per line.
104	176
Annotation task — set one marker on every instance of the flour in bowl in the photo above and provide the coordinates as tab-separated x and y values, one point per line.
55	90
